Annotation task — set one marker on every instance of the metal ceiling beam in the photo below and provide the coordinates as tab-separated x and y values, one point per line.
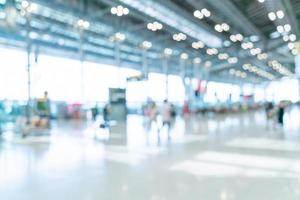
233	14
292	16
172	19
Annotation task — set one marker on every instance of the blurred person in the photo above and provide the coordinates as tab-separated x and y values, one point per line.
106	112
270	113
153	112
146	115
95	112
44	110
280	113
173	113
166	113
186	109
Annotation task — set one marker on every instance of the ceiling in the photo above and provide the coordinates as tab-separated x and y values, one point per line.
232	40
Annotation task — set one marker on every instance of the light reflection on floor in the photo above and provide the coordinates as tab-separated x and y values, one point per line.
211	157
233	164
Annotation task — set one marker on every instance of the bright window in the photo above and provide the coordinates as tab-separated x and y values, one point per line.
13	75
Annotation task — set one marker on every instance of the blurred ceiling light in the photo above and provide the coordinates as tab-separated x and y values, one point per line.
168	51
205	12
244	75
119	11
280	14
232	60
293	37
232	71
120	36
223	56
179	37
117	37
198	45
222	27
262	56
33	35
33	7
237	37
184	56
233	38
272	16
246	66
24	4
255	51
294	52
247	45
198	14
286	38
197	60
261	1
287	27
225	27
291	45
208	64
218	28
212	51
226	43
146	45
155	26
61	42
83	24
280	29
46	37
254	38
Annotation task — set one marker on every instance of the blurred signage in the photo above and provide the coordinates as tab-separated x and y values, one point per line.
117	96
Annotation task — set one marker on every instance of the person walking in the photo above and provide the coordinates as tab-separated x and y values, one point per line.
280	113
153	112
270	113
166	113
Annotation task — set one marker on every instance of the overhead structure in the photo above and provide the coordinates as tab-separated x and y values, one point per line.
222	36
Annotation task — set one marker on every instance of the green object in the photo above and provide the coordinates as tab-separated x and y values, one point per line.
41	105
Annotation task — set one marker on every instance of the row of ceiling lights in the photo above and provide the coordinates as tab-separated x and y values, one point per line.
222	27
120	11
258	71
276	15
284	30
27	8
221	56
279	67
184	56
120	37
154	26
238	73
200	14
179	37
257	51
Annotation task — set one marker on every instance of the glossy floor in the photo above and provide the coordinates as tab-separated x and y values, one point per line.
235	157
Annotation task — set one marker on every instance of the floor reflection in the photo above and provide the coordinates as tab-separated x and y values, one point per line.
208	157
